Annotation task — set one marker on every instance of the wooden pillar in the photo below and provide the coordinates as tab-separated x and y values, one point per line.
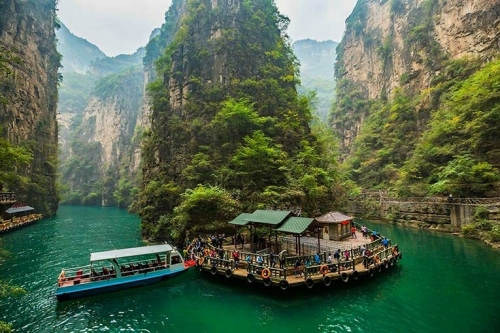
251	239
235	234
319	242
295	238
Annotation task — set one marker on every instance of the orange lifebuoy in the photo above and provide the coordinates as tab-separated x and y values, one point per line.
377	259
324	269
266	273
201	261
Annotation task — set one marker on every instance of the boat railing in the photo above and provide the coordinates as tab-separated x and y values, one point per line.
244	256
75	275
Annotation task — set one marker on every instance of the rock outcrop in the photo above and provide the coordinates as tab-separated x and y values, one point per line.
101	139
29	115
403	43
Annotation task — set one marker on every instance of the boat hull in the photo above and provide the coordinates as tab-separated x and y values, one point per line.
76	291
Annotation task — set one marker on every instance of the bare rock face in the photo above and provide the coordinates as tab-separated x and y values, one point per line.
29	116
106	134
389	44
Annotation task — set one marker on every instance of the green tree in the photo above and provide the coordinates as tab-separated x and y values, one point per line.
7	290
13	158
257	163
203	209
464	176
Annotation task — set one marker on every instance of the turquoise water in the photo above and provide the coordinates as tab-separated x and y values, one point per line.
443	284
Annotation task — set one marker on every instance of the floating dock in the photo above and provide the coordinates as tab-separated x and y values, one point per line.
368	256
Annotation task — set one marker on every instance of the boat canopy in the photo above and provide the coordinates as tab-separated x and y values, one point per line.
130	252
13	210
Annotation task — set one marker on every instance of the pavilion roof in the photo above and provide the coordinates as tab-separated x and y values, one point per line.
297	225
333	217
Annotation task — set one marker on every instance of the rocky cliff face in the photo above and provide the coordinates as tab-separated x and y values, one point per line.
102	144
29	116
101	138
403	43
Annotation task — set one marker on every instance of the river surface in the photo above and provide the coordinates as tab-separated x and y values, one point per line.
442	284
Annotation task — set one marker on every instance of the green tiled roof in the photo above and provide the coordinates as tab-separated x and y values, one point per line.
241	219
272	217
296	225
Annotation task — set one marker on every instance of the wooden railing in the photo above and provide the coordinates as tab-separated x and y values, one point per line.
442	200
7	197
17	222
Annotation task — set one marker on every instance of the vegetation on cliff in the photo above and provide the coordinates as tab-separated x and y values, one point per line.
28	111
431	141
229	132
456	153
13	157
7	290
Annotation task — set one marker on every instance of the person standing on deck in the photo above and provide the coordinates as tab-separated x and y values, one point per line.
272	258
317	258
329	259
282	258
260	260
298	267
236	258
363	249
364	230
385	242
336	255
346	255
353	232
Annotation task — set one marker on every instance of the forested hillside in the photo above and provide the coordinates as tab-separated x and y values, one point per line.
418	97
229	132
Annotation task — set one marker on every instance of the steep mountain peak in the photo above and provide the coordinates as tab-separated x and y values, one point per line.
78	53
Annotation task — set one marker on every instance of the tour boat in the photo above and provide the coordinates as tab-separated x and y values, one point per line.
121	269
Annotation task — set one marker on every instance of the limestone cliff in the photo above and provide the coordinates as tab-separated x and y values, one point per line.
29	115
228	128
100	148
403	43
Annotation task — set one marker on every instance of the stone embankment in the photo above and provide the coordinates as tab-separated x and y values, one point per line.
436	213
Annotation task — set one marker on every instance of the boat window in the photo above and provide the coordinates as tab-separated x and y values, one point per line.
176	259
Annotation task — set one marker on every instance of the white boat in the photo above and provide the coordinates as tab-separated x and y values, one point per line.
121	269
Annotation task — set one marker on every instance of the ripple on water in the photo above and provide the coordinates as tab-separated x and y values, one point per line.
433	289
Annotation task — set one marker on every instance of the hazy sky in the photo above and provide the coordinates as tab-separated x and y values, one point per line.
122	26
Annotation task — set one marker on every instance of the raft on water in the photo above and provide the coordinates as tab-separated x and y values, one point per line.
311	265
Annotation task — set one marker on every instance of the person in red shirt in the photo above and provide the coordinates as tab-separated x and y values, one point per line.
236	258
353	232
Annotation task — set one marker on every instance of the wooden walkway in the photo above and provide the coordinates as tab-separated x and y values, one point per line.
345	270
19	222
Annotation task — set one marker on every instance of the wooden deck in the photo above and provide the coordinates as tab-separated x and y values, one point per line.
382	259
19	222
